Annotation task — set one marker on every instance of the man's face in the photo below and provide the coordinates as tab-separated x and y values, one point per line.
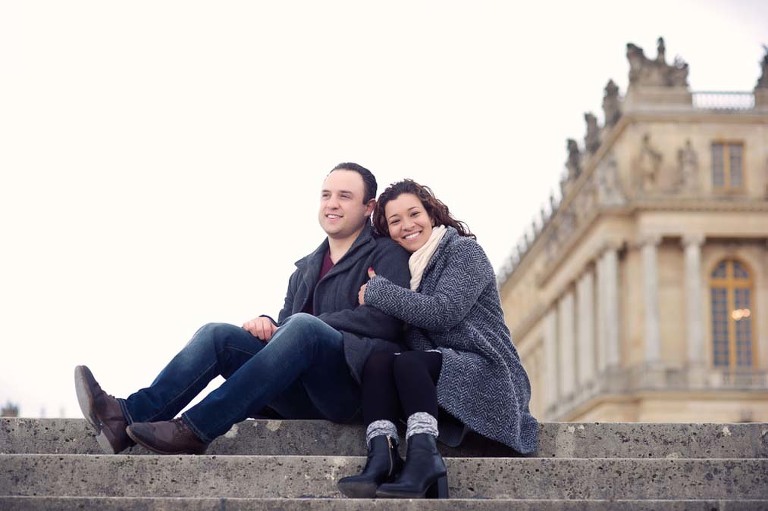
342	212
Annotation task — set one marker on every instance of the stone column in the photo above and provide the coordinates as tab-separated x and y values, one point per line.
551	370
694	315
585	333
600	333
567	343
609	352
651	299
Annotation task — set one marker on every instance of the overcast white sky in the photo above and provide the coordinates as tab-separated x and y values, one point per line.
160	161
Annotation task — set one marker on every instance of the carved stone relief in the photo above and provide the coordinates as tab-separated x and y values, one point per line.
552	245
609	191
567	223
585	201
579	206
648	165
687	168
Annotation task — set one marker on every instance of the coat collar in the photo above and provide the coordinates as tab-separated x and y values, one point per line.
312	262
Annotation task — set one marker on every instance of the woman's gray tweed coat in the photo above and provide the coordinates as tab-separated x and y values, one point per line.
457	310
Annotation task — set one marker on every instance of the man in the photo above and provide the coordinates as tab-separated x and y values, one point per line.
305	365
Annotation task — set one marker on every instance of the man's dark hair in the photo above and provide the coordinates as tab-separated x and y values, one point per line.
369	181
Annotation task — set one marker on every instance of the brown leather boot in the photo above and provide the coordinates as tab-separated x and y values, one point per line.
167	437
102	412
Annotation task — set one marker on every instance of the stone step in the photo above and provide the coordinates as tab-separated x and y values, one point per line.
228	504
322	438
290	477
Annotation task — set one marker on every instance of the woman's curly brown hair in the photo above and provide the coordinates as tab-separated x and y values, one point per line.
436	210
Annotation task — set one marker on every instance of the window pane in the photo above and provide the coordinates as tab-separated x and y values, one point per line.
743	319
735	165
718	177
744	342
742	299
720	326
739	272
719	271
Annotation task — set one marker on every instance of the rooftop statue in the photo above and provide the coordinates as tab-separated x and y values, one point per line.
762	82
573	163
592	138
611	107
644	71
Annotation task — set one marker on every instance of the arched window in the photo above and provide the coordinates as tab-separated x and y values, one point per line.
732	313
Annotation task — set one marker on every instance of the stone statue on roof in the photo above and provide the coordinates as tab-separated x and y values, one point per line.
762	82
644	71
611	107
592	138
573	163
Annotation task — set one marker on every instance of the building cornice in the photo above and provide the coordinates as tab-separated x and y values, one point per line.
630	201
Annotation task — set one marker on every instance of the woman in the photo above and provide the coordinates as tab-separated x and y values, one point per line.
463	360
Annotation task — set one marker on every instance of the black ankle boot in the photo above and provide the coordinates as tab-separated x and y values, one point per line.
383	465
424	473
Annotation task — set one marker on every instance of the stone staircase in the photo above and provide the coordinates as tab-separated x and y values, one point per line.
48	464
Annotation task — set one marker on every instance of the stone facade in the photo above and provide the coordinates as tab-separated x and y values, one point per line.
644	294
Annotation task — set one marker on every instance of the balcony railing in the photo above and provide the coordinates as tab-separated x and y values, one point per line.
723	100
649	379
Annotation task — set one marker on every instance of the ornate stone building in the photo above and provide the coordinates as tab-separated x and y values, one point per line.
642	293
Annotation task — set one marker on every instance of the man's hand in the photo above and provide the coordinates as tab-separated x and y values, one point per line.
261	327
361	293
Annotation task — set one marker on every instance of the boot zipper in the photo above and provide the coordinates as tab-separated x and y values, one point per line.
391	459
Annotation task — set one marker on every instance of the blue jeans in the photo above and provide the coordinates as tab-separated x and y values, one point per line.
301	373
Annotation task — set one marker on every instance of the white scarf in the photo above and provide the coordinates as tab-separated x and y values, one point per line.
419	259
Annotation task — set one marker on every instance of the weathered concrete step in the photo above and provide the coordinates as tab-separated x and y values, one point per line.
316	476
322	438
215	504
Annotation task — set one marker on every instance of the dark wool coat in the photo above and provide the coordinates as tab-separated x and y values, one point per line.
365	329
457	310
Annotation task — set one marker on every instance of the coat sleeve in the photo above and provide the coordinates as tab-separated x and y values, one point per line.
466	274
391	261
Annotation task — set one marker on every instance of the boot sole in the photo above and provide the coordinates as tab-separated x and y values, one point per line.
358	490
154	449
84	396
436	490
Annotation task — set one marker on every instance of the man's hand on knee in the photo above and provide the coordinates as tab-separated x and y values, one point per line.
261	327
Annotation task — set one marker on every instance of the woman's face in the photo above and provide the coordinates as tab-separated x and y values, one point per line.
409	224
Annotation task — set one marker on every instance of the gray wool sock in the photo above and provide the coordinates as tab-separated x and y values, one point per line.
421	422
382	427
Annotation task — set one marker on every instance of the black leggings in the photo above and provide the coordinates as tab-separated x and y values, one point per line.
399	385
